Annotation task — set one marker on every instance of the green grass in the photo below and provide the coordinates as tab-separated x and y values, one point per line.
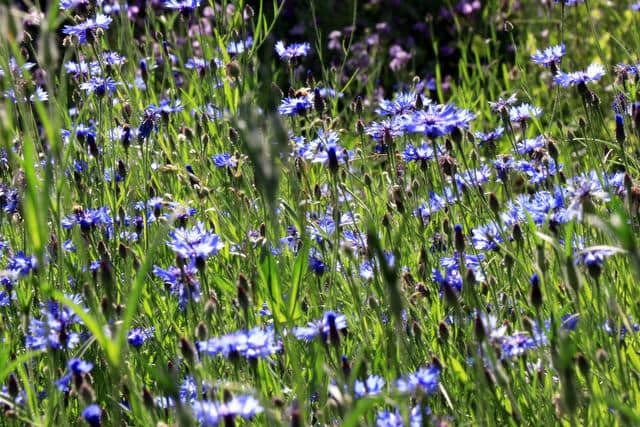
398	321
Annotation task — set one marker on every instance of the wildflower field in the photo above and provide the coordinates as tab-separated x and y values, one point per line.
319	212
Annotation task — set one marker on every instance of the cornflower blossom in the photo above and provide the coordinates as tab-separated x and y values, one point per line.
569	2
484	138
182	5
486	237
71	4
425	379
82	68
16	69
583	191
524	112
92	415
54	329
528	146
90	25
403	102
438	120
138	336
423	152
255	343
100	86
372	385
394	126
502	105
435	204
236	48
294	50
224	160
593	73
182	282
322	327
473	177
209	414
195	243
88	219
619	328
395	419
550	57
295	106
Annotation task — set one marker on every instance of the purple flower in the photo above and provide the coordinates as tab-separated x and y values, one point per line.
437	120
524	112
593	73
550	56
182	5
138	336
194	243
100	86
294	50
90	25
224	160
489	136
92	415
295	106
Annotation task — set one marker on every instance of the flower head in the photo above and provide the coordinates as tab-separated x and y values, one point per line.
89	26
294	50
593	73
550	56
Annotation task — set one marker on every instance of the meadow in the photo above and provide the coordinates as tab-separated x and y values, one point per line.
356	213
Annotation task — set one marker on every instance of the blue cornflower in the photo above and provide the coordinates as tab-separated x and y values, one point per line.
113	58
524	112
54	330
549	57
22	264
394	126
295	106
374	384
403	102
502	105
252	344
82	68
16	69
92	415
395	418
100	86
183	282
516	345
138	336
236	48
486	237
79	366
182	5
611	328
90	25
88	219
194	243
528	146
593	73
321	327
72	4
425	379
209	414
316	264
490	136
294	50
225	160
438	119
635	6
435	204
422	152
473	177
